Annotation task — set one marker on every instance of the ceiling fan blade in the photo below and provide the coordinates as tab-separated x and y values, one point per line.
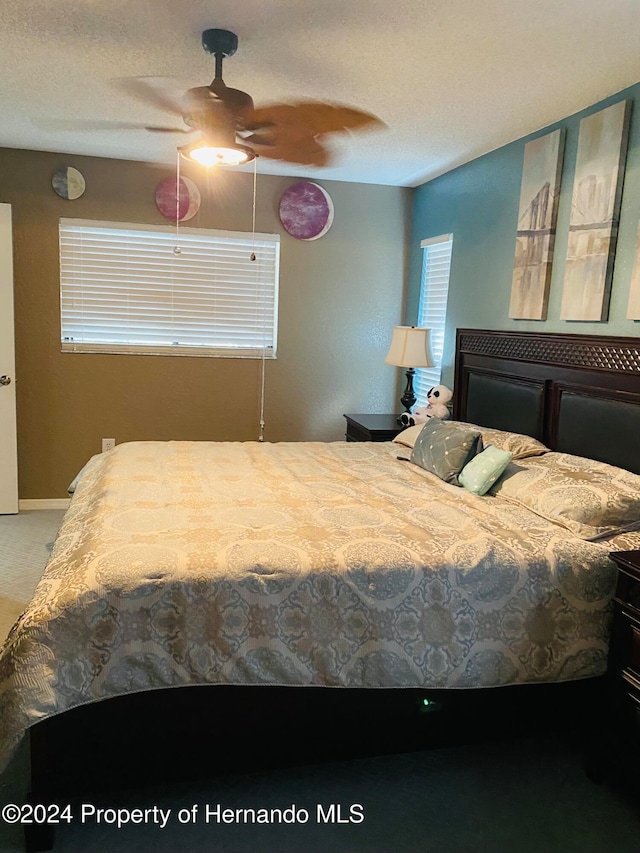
304	151
142	89
156	129
79	124
314	117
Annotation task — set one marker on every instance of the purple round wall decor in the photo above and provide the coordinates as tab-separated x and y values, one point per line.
306	210
189	203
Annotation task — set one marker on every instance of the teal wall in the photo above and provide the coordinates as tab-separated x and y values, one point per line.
478	204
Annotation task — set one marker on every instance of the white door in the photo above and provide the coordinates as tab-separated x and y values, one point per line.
8	437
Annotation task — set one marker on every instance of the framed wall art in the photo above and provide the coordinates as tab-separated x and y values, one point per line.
535	237
633	306
595	209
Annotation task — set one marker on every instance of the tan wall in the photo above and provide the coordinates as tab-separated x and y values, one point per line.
339	298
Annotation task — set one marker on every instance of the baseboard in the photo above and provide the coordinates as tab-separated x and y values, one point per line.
45	503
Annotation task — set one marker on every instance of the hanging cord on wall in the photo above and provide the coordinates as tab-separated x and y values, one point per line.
253	258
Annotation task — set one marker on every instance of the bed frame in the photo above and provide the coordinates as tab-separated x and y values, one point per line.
577	393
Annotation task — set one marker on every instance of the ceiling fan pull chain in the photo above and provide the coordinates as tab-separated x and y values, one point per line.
253	258
176	249
253	211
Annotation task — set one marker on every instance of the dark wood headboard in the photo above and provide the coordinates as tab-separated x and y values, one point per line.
577	393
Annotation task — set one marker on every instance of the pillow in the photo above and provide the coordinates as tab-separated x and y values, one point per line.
408	436
591	499
444	449
484	469
522	446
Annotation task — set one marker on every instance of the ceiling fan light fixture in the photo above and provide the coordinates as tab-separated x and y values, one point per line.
208	154
225	118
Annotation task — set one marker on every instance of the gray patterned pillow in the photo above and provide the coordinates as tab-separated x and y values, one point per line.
444	449
522	446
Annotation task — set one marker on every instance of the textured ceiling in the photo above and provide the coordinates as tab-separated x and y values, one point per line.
452	79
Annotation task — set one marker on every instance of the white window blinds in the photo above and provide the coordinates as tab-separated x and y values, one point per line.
124	288
432	311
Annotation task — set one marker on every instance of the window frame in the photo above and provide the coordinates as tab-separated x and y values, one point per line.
426	377
244	239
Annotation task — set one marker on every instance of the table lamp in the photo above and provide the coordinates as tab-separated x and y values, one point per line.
409	348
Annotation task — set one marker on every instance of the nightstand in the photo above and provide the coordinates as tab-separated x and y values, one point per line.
372	427
625	645
614	746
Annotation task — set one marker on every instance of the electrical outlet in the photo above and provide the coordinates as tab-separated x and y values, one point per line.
108	444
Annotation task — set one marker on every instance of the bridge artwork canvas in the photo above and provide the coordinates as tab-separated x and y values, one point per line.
595	210
535	237
633	307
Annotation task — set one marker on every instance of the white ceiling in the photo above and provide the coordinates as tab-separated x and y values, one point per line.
452	79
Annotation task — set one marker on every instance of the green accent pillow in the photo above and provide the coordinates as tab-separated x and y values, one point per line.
484	469
444	449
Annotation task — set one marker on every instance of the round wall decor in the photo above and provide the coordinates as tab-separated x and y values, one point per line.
306	210
189	202
68	182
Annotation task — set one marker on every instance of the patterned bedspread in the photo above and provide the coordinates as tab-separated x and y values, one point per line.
298	564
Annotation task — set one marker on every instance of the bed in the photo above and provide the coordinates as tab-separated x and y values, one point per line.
276	567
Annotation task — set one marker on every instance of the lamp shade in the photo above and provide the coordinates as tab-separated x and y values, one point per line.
409	347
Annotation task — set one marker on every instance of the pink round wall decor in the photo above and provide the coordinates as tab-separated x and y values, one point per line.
306	210
189	201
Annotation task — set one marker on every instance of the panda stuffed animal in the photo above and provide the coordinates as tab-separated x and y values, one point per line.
437	399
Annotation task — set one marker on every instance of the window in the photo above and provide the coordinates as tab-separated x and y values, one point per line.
432	311
124	289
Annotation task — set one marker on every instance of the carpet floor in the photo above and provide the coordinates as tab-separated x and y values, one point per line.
522	796
527	794
26	540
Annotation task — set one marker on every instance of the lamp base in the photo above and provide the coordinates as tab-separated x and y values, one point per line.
408	399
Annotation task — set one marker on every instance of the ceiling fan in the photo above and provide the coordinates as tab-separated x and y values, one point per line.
232	131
